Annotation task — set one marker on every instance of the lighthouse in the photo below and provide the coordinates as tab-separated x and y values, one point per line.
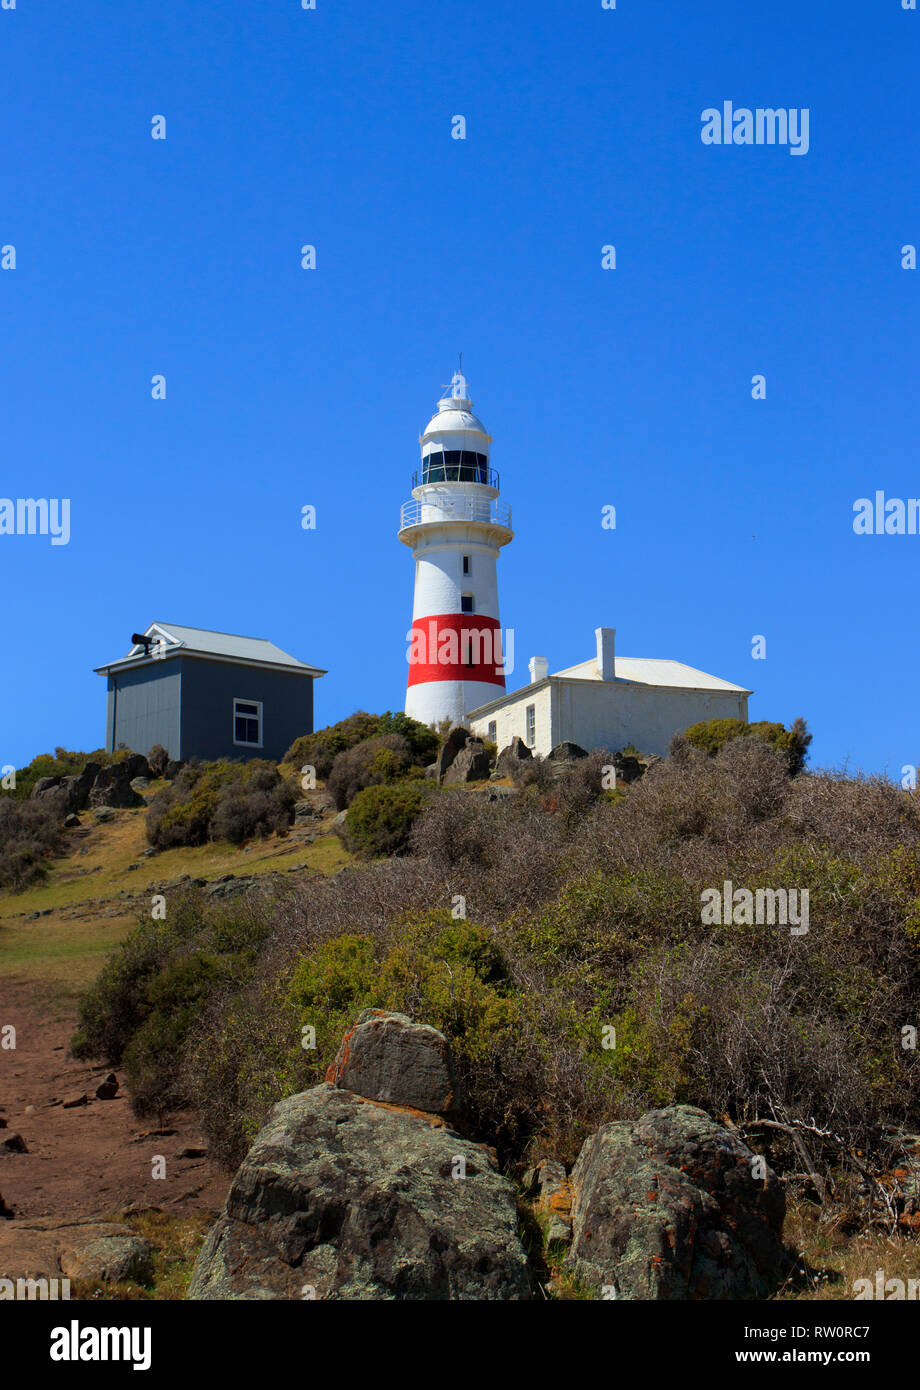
456	525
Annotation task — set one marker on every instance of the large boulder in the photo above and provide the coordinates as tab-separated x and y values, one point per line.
455	741
673	1206
78	785
567	752
511	759
346	1198
112	786
44	784
137	766
388	1057
470	765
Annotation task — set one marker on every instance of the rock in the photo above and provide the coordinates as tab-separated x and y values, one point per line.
103	814
566	752
553	1191
110	1257
75	1098
305	812
12	1143
628	768
228	886
666	1207
139	784
77	787
510	759
173	768
387	1057
44	784
107	1089
192	1151
48	1247
470	765
136	765
112	786
340	818
455	741
6	1213
499	793
71	821
157	759
358	1200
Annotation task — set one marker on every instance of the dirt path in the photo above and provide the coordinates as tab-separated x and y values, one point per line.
93	1159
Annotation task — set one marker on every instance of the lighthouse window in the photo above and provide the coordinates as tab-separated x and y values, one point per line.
455	466
466	564
531	713
247	723
466	603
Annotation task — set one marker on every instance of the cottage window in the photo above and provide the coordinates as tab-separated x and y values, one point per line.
247	723
531	713
493	731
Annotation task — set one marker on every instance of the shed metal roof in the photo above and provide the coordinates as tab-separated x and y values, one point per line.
176	638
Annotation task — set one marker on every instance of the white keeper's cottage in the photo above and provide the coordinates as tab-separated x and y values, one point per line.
610	702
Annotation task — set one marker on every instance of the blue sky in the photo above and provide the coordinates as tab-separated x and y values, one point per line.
629	387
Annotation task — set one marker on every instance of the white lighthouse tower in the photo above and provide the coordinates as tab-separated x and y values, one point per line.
456	526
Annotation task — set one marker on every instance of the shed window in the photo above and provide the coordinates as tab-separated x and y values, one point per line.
247	723
531	725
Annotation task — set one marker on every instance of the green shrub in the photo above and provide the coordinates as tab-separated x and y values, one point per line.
320	749
713	734
30	834
151	992
220	800
380	818
449	975
375	761
61	763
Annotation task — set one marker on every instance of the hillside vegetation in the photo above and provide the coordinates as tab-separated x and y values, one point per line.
556	934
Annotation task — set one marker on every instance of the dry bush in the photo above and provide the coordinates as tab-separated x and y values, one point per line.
30	834
387	758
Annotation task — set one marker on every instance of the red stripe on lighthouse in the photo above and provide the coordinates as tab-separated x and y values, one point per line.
456	647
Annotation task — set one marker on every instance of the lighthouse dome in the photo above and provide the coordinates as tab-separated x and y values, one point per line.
454	417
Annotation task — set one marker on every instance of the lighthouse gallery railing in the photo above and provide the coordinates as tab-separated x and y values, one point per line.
417	512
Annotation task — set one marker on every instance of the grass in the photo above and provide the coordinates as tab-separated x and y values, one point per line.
174	1245
829	1260
64	951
